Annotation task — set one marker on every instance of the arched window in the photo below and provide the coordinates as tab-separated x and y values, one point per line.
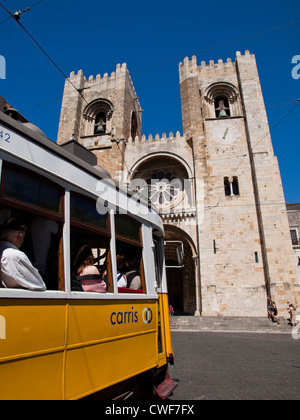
97	117
223	101
227	187
134	126
235	186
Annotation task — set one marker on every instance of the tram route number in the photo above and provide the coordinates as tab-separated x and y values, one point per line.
4	136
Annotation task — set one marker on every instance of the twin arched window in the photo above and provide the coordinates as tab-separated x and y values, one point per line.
231	186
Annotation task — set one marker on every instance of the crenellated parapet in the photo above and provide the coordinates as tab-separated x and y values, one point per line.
157	138
190	68
121	70
119	77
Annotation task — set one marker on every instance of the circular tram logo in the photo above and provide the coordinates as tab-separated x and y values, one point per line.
147	316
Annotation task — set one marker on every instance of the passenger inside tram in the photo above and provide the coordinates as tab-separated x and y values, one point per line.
129	264
41	244
38	202
121	278
17	272
129	241
86	273
133	274
90	262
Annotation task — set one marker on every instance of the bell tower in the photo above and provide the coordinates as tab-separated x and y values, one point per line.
101	115
245	249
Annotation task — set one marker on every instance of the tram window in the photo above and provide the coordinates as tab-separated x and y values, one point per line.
43	245
83	210
38	202
26	189
129	247
128	228
91	230
100	247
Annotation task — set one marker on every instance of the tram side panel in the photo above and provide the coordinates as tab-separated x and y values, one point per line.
109	343
32	354
58	351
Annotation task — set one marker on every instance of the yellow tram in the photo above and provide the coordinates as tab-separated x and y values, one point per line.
64	343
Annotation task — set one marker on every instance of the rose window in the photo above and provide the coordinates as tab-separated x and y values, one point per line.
164	188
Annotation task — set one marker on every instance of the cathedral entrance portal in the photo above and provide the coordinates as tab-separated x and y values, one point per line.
181	271
166	180
175	288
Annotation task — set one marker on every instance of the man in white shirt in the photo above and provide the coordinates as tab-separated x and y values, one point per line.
16	271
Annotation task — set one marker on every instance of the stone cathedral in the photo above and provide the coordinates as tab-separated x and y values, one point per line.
217	186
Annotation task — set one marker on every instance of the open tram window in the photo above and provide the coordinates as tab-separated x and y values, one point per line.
129	246
38	203
90	232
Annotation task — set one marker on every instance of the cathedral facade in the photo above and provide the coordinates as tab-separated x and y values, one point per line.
217	186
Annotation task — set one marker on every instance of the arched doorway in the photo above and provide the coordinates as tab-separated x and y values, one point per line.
181	270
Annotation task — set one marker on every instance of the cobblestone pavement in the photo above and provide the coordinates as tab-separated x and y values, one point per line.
236	366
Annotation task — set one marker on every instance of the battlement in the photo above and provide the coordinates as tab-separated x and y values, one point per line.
178	137
120	76
121	70
191	68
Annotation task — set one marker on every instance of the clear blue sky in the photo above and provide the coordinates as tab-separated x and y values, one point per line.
95	36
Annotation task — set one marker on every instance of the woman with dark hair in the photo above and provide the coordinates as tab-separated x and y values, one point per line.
86	273
133	274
